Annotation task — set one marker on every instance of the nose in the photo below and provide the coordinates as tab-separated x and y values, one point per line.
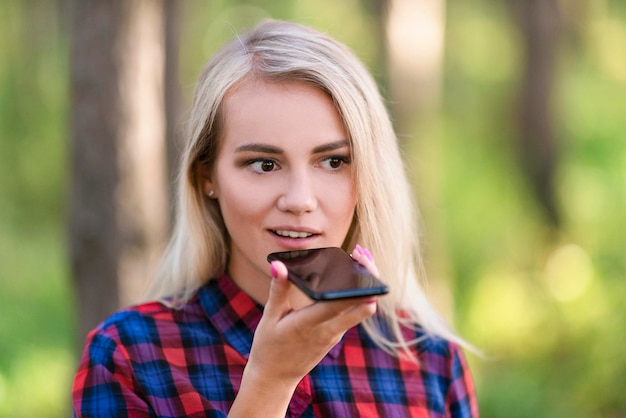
298	196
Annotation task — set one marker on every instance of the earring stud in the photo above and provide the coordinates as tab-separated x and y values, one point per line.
211	193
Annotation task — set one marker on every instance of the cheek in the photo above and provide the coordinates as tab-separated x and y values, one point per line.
234	194
243	206
340	202
238	206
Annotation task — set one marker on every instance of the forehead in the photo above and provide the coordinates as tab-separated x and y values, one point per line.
258	110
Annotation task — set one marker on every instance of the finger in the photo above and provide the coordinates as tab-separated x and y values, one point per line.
335	318
279	270
365	258
354	315
324	311
278	299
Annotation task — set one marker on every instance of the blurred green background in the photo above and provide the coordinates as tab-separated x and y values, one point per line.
546	305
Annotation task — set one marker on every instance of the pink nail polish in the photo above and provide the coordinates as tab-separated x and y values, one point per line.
274	272
369	255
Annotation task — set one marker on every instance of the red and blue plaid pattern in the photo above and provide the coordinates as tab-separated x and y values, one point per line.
150	360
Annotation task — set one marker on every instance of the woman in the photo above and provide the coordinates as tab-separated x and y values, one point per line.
289	147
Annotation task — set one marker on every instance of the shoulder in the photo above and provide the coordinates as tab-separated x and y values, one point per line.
428	344
436	355
144	323
442	357
436	350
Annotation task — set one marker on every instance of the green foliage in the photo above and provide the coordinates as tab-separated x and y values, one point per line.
37	356
546	306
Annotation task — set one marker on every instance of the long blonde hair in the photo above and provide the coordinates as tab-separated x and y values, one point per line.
385	213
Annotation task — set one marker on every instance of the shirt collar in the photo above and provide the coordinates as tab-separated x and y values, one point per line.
231	311
235	315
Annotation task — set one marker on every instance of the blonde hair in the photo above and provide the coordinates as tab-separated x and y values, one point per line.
385	216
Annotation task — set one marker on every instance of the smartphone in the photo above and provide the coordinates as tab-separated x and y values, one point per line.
329	274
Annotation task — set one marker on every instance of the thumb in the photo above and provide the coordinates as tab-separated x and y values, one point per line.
278	300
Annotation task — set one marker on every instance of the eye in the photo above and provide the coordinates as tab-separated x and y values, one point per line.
335	162
262	166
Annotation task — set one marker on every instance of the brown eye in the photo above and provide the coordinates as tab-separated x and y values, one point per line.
267	166
262	165
335	162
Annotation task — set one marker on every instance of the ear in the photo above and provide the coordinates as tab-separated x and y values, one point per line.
205	178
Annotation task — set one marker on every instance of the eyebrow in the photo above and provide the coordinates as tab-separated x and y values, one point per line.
331	146
270	149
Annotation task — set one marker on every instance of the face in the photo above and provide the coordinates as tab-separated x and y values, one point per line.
283	177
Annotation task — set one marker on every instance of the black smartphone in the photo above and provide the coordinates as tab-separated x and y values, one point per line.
329	273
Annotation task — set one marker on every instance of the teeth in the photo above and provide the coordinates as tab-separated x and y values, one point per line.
293	234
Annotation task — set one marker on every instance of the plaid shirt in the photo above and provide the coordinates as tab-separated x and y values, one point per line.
150	360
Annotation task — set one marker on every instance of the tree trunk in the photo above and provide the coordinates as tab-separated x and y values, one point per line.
540	28
414	47
173	97
118	204
414	33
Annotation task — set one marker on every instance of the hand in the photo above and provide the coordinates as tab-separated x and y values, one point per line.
289	343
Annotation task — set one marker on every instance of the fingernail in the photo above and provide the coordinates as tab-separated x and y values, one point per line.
358	249
274	272
368	254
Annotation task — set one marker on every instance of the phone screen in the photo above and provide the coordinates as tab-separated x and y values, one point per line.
329	273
